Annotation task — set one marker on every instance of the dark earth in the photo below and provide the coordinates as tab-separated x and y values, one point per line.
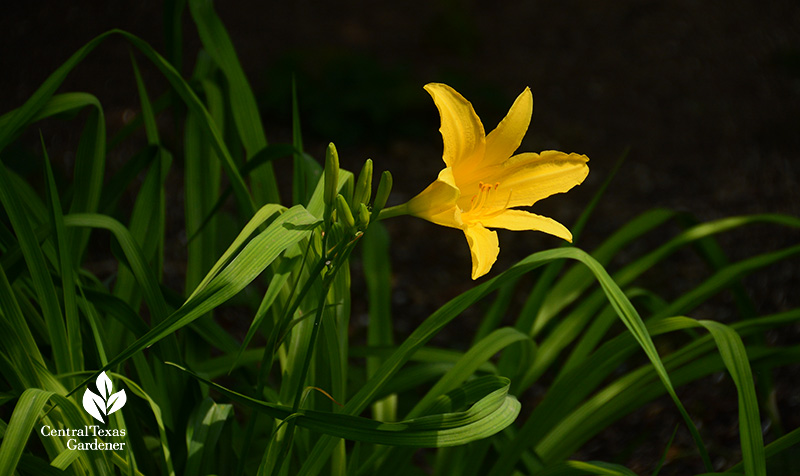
704	95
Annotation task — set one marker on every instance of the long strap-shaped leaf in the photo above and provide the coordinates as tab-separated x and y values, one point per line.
27	413
733	353
613	352
138	264
494	410
243	102
73	326
40	274
476	356
589	468
289	228
449	311
39	99
782	444
202	433
29	405
90	158
638	386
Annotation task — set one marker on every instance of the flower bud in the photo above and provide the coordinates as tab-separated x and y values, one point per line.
382	195
331	179
343	212
363	216
363	190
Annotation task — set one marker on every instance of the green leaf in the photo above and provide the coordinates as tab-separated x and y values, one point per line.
457	305
592	468
68	278
202	435
734	355
244	108
221	283
25	414
40	273
493	410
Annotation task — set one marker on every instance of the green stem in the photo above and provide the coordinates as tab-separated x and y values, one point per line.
394	211
268	356
310	352
326	282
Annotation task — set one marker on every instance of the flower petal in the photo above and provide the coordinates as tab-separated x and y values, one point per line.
518	220
437	203
462	130
483	246
527	178
506	138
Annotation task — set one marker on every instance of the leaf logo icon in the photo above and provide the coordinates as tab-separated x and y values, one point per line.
106	403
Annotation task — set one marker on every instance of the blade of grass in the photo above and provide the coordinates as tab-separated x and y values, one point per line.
26	413
67	272
570	326
201	186
377	274
592	468
244	108
292	226
450	310
275	285
476	356
613	353
40	274
492	411
733	353
18	338
663	458
265	156
542	307
638	386
42	95
777	447
202	433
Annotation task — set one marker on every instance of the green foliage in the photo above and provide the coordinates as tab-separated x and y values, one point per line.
283	398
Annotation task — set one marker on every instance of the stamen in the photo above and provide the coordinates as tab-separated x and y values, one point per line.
472	203
484	196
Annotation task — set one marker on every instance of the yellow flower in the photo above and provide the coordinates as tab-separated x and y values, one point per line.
482	182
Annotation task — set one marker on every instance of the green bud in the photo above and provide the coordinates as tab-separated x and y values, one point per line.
343	212
384	188
363	216
331	179
364	184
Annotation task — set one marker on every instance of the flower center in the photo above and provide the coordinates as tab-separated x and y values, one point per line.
480	202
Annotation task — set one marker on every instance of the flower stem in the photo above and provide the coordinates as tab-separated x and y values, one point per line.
394	211
327	280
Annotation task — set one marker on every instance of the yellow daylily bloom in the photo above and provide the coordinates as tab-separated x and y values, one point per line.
482	181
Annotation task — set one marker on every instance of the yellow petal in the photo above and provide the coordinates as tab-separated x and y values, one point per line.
462	130
483	246
506	138
527	178
518	220
437	203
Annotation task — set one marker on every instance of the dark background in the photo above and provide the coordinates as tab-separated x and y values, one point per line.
705	95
